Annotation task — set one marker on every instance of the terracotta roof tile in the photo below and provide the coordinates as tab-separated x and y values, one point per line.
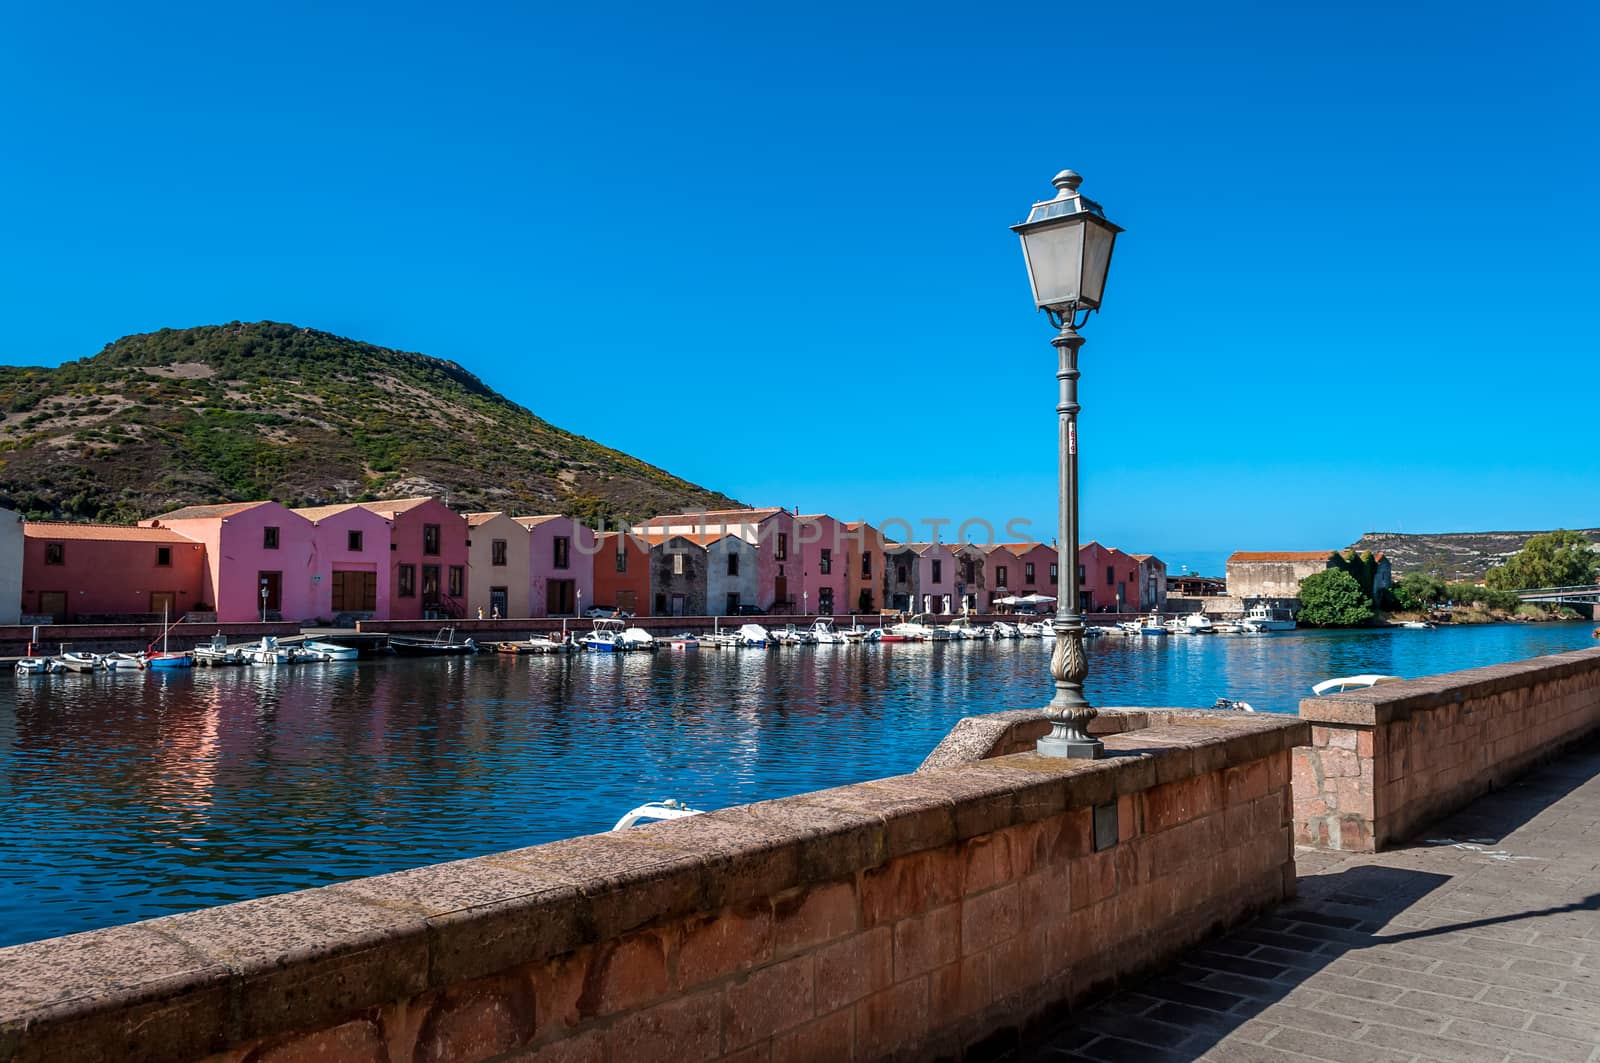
315	513
390	506
54	531
1280	555
534	522
216	512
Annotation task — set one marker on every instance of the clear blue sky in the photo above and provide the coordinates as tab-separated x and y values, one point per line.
767	249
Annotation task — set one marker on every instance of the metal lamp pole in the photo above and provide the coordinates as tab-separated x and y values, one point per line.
1067	243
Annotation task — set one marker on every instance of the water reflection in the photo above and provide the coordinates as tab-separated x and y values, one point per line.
131	795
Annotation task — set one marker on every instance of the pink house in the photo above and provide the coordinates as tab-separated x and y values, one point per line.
427	558
1108	579
258	559
560	565
1021	569
349	562
824	564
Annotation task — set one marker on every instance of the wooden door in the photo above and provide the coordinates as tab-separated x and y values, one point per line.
160	600
430	586
54	604
780	591
272	582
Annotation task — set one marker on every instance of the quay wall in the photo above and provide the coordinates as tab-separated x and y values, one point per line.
946	914
130	638
1383	763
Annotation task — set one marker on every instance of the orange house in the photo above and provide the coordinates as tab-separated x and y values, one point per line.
621	574
75	571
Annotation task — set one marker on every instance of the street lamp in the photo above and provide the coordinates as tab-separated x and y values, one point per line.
1067	243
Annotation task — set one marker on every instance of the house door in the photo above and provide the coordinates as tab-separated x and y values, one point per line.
560	597
780	591
272	583
628	602
498	601
677	605
430	586
163	602
825	601
354	592
54	603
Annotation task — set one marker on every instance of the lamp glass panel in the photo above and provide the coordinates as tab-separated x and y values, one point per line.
1055	262
1096	262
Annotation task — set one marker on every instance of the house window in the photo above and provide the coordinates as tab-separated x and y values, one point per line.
622	561
783	546
1083	577
825	600
825	565
163	557
353	542
497	552
1111	574
1000	575
55	553
563	551
1055	574
430	540
458	580
938	571
677	564
900	573
408	582
866	566
733	564
1027	573
968	571
269	538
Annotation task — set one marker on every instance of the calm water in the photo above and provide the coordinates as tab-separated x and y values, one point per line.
134	795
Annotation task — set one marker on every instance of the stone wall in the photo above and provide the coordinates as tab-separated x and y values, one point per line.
1385	762
939	914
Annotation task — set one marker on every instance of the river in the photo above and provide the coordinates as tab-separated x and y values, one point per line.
131	795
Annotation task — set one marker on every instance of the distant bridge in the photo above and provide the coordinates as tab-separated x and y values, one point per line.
1583	594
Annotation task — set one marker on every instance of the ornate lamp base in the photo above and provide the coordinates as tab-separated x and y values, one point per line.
1069	712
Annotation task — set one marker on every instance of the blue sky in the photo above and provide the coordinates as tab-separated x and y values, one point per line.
767	248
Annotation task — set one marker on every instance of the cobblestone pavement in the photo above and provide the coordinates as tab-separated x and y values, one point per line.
1480	941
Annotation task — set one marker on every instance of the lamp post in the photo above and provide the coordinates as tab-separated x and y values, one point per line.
1066	243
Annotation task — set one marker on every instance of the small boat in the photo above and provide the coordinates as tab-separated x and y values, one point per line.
753	636
1264	617
1002	630
1351	682
683	643
74	661
914	630
267	651
331	651
656	812
1226	627
961	628
1152	625
1198	624
37	666
606	637
1418	625
794	636
166	658
539	644
217	653
444	643
825	634
856	635
1232	705
637	638
122	662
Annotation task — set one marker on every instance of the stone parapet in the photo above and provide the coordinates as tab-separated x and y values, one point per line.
1385	762
938	914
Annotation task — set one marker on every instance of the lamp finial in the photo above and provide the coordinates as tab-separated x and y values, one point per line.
1067	181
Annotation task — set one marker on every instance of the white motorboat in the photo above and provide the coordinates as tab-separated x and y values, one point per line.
637	638
962	628
1226	627
1351	682
267	651
1002	630
331	651
37	666
1152	625
793	636
753	636
1264	617
1198	624
823	631
122	662
1418	625
856	635
914	630
683	643
217	652
74	661
657	812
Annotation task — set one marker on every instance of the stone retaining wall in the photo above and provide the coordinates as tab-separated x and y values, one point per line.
1385	762
938	914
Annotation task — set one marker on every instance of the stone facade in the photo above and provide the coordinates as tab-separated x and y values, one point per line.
938	914
678	577
1385	762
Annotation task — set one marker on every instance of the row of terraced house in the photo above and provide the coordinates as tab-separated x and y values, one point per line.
417	558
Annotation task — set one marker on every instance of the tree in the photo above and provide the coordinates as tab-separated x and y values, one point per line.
1418	590
1333	599
1555	559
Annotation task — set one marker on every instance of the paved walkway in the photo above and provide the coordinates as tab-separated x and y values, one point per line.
1479	942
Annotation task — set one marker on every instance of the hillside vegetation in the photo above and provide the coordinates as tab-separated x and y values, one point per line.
1451	556
268	410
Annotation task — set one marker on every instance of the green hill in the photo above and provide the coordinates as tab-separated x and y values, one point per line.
267	410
